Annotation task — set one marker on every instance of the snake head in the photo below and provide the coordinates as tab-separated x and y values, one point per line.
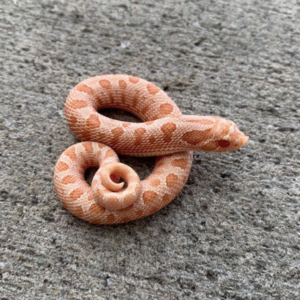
226	136
211	133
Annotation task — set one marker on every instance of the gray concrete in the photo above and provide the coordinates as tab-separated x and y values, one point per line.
233	232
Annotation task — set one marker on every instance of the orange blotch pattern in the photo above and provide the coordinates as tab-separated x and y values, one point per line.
61	166
135	98
79	211
154	182
101	146
193	137
97	208
145	109
140	212
167	130
138	134
85	136
73	120
68	179
148	197
88	147
152	139
165	109
166	198
109	153
171	180
180	162
122	84
71	153
152	89
117	132
158	171
111	98
126	124
133	79
111	218
77	193
84	88
93	121
105	83
77	104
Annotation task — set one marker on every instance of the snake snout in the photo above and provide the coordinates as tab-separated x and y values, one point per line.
232	138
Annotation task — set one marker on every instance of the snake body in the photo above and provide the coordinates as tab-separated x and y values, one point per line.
164	133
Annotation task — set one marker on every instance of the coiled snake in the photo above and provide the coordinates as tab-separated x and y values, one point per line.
165	133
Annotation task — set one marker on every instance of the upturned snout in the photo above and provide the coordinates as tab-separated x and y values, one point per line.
225	136
212	133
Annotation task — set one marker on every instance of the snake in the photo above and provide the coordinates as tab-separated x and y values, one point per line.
116	193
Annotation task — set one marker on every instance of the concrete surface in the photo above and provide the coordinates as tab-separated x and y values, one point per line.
233	233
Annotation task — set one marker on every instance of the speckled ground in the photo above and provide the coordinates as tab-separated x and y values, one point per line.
233	232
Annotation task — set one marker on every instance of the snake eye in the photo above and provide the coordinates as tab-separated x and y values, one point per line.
223	143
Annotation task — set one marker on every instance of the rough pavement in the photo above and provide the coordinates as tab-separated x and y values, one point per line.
233	232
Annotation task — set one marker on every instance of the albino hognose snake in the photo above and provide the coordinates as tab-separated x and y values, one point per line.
165	133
